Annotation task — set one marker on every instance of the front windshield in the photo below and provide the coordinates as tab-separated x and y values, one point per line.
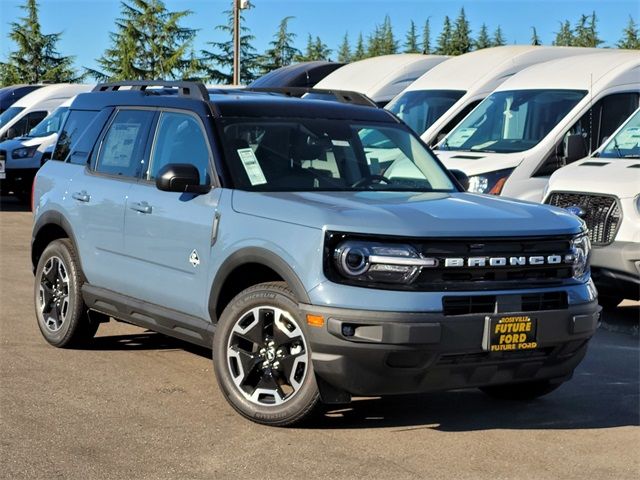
511	121
421	108
302	154
625	143
9	114
51	124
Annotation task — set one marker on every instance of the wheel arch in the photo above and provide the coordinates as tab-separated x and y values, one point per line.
262	265
49	226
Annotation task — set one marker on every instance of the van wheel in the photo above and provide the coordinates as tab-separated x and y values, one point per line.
521	391
61	313
263	359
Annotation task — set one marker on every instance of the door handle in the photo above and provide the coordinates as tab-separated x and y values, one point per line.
142	207
82	196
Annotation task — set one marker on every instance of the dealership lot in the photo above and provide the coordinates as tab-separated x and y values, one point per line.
140	405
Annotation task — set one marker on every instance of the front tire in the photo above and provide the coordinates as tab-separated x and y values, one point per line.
60	311
521	391
263	359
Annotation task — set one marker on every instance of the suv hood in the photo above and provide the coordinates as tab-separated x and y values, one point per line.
618	176
476	163
409	213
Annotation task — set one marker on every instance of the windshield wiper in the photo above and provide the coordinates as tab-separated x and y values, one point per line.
617	147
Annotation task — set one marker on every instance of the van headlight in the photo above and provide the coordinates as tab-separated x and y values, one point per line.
24	152
372	262
491	182
580	254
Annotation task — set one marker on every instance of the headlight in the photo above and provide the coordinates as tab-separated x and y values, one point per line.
580	253
368	262
491	182
24	152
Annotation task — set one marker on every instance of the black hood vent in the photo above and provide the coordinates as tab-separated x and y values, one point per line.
635	165
467	157
594	164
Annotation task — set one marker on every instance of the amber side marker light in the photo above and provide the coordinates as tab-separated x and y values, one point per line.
315	320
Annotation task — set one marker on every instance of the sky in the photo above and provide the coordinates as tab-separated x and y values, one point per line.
85	24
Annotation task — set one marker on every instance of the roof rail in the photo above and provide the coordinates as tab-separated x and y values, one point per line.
343	96
186	89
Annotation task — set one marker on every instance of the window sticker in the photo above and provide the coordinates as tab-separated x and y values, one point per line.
340	143
251	166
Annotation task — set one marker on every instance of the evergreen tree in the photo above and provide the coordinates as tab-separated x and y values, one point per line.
36	58
375	42
344	52
586	32
149	43
411	41
389	42
218	64
498	38
282	51
483	40
631	36
564	37
444	39
461	37
535	39
359	53
316	50
426	38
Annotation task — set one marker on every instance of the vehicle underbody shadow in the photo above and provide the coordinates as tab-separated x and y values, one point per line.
148	340
13	204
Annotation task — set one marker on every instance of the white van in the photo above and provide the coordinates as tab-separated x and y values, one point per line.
438	100
541	119
31	109
604	189
380	78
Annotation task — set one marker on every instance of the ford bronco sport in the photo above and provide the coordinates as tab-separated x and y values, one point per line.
269	229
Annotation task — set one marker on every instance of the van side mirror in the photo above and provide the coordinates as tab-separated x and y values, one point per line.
574	148
180	177
461	177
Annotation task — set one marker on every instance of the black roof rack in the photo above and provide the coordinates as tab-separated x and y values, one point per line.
343	96
186	89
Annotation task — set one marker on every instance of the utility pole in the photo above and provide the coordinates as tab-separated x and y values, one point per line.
237	6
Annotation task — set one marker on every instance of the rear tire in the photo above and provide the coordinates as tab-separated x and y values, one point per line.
521	391
60	311
262	358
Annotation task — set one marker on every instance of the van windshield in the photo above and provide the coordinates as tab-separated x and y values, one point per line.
304	154
626	143
511	121
421	108
51	124
9	114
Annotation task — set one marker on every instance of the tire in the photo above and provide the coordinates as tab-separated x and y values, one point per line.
60	311
521	391
609	302
262	357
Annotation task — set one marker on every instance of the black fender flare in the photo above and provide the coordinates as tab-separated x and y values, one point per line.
51	217
256	255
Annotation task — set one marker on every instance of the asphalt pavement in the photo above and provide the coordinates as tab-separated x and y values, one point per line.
138	405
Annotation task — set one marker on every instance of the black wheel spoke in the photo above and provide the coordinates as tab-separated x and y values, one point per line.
286	363
248	361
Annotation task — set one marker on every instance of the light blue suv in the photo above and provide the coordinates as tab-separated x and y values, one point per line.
318	247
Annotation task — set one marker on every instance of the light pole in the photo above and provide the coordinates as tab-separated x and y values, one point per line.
237	6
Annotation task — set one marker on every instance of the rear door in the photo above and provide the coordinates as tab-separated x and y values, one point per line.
168	235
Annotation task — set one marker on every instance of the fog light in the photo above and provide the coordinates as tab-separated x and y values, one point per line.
348	330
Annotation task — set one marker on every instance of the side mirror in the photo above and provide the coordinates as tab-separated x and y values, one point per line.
461	177
180	177
574	148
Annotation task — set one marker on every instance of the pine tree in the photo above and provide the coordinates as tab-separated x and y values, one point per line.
483	40
498	38
535	39
586	33
344	52
149	43
375	42
316	50
359	53
444	39
631	36
36	58
461	37
426	38
218	64
282	51
564	36
411	41
389	42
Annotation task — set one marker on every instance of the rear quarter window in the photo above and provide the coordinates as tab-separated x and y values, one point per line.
76	124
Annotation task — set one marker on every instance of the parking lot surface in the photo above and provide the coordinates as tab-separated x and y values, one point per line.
143	406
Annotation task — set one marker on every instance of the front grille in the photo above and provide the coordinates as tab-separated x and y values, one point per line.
489	304
602	214
493	357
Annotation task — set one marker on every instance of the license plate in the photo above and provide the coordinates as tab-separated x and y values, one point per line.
2	174
509	333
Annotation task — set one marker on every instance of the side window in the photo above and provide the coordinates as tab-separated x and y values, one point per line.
77	121
455	121
122	149
34	118
179	139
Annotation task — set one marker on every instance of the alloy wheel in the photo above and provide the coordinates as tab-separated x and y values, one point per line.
54	293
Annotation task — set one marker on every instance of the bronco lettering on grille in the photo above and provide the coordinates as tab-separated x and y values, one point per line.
504	261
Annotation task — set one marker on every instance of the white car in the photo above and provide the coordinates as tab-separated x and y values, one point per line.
605	190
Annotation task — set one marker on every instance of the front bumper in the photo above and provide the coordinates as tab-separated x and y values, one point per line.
399	353
616	269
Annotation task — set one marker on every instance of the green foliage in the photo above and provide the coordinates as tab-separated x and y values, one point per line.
586	32
382	41
426	37
360	52
461	36
498	38
483	40
36	58
444	39
535	39
282	51
149	43
411	40
344	51
316	50
630	36
564	36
